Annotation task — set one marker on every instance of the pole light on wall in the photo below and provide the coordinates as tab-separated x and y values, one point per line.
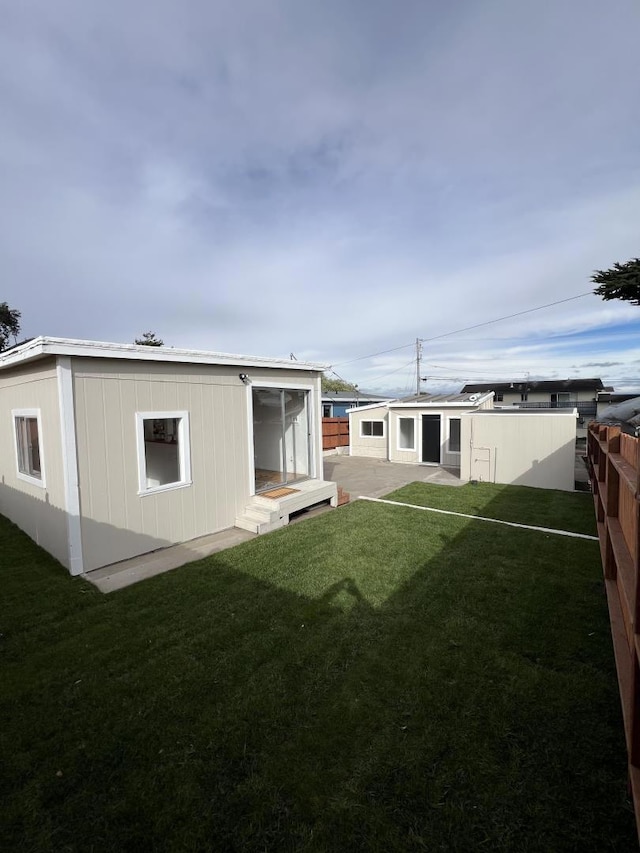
243	377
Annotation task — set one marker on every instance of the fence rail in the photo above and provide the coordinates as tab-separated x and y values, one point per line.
583	407
335	433
614	470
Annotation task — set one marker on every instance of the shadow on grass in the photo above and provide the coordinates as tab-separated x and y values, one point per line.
371	679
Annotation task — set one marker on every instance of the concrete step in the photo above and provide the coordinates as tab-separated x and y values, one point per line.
257	520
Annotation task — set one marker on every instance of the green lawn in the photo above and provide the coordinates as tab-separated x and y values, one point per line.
375	678
522	504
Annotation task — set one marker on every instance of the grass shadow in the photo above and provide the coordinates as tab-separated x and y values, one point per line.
374	679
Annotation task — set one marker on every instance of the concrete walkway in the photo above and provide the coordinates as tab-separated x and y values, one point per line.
128	572
377	477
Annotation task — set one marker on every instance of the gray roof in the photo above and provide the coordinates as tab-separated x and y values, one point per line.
551	385
440	398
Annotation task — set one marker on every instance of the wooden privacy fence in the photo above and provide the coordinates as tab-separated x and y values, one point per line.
335	433
614	470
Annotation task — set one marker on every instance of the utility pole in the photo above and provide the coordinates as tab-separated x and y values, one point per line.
418	356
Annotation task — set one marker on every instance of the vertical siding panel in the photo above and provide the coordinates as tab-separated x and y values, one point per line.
40	512
216	402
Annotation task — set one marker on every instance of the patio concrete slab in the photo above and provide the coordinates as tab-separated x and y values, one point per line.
120	575
374	478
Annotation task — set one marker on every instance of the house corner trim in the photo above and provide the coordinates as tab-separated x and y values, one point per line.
70	463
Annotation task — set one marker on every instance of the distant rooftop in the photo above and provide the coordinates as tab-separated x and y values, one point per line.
351	396
536	385
464	396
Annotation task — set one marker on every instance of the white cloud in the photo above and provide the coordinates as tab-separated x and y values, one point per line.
328	179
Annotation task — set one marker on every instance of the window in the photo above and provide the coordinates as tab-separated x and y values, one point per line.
29	446
406	434
524	396
164	460
499	397
371	429
454	435
561	398
326	410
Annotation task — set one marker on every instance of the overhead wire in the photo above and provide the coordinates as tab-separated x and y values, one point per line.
508	317
469	328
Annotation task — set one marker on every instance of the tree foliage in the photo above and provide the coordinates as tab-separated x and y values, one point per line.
149	339
329	384
9	325
622	281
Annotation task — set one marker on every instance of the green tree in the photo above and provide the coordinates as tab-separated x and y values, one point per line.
9	325
329	384
149	339
622	281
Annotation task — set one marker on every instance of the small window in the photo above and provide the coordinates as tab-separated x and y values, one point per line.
499	397
29	446
372	429
326	410
524	396
454	435
163	450
406	434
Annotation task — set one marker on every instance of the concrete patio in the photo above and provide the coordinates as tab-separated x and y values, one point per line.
374	478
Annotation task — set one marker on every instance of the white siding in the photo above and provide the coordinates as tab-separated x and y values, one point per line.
371	446
40	512
117	522
520	448
396	454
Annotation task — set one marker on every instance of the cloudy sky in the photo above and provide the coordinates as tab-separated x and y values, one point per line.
326	179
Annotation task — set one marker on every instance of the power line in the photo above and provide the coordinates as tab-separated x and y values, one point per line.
469	328
373	355
397	370
509	316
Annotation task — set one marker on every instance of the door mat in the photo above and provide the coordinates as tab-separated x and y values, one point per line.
274	494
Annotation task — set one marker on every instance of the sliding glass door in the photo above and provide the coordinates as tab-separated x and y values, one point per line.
280	436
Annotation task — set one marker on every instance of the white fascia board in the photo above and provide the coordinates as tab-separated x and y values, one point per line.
439	406
519	413
44	346
381	405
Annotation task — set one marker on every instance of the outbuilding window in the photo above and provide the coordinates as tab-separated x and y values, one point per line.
29	446
406	434
454	435
372	429
164	459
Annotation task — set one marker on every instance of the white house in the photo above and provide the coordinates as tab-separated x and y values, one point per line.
112	450
463	432
579	394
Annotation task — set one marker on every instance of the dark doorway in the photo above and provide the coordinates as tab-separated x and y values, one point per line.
431	439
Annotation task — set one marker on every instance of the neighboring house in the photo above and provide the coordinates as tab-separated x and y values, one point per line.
580	394
116	450
464	432
336	403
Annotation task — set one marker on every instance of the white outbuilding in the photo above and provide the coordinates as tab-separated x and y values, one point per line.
463	432
108	451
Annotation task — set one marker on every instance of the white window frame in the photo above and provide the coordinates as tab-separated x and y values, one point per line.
449	450
415	430
184	452
41	481
372	421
